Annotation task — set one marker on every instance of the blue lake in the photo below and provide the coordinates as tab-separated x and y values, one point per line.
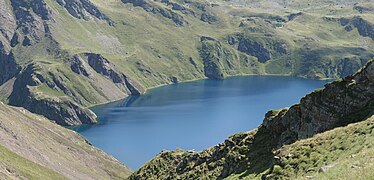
192	115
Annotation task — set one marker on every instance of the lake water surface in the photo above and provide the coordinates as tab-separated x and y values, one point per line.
192	115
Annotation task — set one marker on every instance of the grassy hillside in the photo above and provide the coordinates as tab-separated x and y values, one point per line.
140	44
342	153
32	147
16	167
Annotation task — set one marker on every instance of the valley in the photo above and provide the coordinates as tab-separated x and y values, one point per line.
194	115
222	65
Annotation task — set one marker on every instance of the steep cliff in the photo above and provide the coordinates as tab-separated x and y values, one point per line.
274	150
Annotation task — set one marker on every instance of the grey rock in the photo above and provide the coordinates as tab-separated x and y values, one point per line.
212	54
107	69
208	17
77	65
63	111
8	66
339	103
155	9
83	9
293	16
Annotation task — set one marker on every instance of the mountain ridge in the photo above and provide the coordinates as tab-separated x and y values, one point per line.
55	38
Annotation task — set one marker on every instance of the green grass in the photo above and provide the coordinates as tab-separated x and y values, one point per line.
345	153
48	91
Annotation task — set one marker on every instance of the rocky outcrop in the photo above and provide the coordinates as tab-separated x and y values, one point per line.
293	16
339	103
208	17
263	49
8	25
254	48
107	69
76	65
314	62
39	7
83	9
8	66
363	8
364	27
179	7
212	54
205	12
155	9
32	28
59	109
62	111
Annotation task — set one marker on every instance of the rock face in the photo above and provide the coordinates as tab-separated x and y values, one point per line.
8	26
220	61
63	111
104	67
339	103
83	9
365	28
8	67
263	50
155	9
363	9
31	27
293	16
77	66
209	18
179	7
341	67
212	54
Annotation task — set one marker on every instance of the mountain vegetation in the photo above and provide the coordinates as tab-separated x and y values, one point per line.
60	57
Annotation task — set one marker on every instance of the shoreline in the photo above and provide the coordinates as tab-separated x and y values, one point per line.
198	79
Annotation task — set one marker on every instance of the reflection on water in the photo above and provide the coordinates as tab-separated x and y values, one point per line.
193	115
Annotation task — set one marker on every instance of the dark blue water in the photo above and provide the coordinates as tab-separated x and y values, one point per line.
193	115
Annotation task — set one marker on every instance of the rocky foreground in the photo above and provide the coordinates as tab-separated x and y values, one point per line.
291	143
33	147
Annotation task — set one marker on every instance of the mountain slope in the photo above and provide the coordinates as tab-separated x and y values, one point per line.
276	150
342	153
65	56
35	148
14	166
